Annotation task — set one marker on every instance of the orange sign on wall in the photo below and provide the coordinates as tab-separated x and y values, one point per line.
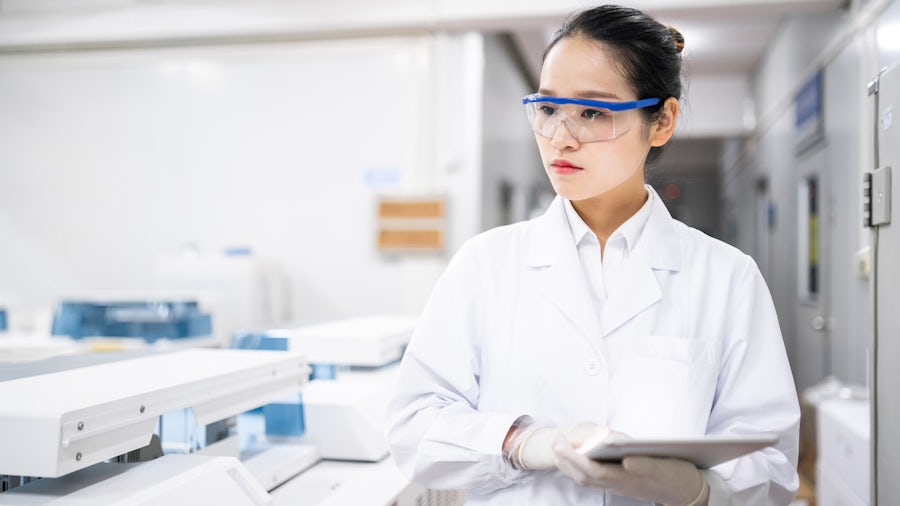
410	224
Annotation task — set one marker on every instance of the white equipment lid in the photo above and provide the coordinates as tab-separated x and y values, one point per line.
367	341
171	480
57	422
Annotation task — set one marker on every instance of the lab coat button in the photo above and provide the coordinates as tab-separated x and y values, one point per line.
592	366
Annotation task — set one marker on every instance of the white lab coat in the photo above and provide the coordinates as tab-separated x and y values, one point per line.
692	348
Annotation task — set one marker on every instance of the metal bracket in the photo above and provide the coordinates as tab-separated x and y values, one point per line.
877	197
874	84
867	199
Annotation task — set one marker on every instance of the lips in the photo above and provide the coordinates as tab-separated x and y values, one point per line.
564	167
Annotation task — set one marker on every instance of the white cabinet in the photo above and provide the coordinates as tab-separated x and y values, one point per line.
843	473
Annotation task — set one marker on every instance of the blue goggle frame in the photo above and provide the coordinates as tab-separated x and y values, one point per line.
612	106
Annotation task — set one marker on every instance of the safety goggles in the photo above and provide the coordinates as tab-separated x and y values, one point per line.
586	120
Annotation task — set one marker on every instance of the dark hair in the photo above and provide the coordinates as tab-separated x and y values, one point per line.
647	52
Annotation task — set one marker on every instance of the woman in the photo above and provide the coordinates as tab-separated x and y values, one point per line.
604	314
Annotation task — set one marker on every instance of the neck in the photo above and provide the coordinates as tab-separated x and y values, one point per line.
605	213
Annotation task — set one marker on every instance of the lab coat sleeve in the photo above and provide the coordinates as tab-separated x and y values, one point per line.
435	432
755	393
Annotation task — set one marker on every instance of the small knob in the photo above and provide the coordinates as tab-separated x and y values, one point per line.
818	323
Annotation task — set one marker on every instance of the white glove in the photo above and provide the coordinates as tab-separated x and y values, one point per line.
535	452
532	448
671	482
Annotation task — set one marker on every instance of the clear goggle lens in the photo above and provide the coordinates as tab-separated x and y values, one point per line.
586	120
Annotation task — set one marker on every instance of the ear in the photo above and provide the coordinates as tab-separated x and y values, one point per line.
664	127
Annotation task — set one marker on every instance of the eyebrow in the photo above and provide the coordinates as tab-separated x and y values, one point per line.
583	94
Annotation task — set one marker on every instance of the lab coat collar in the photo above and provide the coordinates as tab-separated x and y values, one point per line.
657	243
550	246
630	231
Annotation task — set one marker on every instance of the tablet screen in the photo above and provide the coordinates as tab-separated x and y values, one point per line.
704	452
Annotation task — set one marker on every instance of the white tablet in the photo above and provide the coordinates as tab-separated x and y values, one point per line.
704	452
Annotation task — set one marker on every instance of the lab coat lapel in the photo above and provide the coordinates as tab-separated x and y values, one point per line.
640	291
552	253
658	249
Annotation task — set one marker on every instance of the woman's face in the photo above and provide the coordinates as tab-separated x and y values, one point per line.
577	67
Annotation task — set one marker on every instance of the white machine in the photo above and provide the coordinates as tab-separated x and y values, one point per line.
90	426
67	421
343	405
343	410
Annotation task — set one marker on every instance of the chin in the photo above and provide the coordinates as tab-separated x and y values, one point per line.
577	192
574	195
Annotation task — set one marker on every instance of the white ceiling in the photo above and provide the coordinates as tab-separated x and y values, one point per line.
723	37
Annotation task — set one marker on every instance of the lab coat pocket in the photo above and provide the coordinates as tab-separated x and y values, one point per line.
665	386
679	349
689	363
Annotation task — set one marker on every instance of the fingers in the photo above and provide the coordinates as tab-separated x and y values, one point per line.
572	471
644	466
584	470
586	435
676	481
657	467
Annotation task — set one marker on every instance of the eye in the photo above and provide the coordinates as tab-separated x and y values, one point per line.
594	113
546	110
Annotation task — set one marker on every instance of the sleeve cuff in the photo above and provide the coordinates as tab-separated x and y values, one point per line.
718	491
496	428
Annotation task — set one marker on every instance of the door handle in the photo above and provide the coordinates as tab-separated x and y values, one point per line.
818	323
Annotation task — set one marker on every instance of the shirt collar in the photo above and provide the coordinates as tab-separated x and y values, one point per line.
580	230
630	230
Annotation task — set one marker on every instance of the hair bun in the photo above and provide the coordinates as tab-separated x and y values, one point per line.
677	39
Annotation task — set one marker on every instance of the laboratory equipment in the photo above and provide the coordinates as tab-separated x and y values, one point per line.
91	426
365	341
339	483
342	408
169	480
241	288
150	320
15	347
69	419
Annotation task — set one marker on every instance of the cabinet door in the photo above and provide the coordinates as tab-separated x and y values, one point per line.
887	297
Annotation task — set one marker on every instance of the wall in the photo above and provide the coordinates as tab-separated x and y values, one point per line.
887	36
851	325
513	171
696	204
714	105
109	159
842	45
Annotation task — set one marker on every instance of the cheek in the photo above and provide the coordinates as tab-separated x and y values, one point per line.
545	148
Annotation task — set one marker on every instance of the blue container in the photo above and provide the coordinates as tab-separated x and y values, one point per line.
149	320
284	419
3	324
257	341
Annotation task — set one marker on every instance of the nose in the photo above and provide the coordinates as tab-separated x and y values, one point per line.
563	138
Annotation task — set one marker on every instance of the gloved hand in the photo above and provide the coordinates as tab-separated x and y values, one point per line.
671	482
533	448
535	452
